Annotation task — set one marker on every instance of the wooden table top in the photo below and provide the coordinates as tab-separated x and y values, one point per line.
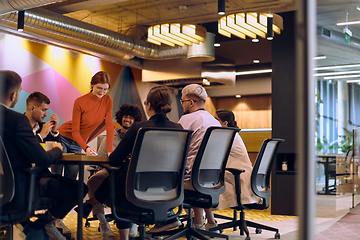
77	157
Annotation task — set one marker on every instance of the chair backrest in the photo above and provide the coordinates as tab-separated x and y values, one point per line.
348	156
260	176
156	172
207	174
7	179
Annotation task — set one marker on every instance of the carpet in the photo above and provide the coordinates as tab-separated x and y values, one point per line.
92	232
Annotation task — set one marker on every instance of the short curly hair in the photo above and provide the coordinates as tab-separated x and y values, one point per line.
127	109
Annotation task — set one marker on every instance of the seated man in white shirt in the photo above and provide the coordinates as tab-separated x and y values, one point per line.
37	105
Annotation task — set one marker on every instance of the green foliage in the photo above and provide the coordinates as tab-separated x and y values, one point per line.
322	145
345	142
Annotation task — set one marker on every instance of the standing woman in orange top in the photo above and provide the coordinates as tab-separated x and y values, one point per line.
92	113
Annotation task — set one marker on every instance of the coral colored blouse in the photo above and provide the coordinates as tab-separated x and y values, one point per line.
91	116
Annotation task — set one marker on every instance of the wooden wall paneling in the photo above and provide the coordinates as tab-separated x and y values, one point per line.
254	140
250	111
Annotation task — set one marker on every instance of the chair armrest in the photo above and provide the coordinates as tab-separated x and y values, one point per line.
110	168
236	173
33	170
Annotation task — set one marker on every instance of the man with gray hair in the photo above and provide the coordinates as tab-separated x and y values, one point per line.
196	118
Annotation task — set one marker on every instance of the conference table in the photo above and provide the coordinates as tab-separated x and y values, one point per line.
329	162
81	160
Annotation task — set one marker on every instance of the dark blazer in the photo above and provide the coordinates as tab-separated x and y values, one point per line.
23	149
49	137
126	144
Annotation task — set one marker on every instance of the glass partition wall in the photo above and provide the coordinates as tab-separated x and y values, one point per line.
337	108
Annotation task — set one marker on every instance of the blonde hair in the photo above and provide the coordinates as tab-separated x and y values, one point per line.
196	91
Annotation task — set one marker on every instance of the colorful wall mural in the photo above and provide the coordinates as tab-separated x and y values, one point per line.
63	75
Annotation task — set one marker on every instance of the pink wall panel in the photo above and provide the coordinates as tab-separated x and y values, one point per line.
61	92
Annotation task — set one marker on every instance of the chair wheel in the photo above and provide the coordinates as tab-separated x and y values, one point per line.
87	224
258	231
277	235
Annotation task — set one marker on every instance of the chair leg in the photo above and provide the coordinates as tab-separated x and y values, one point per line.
142	232
234	220
10	231
211	234
260	226
223	217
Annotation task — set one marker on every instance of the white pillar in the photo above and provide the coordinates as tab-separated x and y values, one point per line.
342	107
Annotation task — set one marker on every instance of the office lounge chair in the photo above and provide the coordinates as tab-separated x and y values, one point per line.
260	184
9	215
207	178
154	181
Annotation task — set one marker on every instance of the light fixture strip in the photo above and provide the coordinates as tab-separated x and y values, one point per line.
194	31
337	66
231	23
222	31
155	30
353	81
165	33
159	34
176	33
340	77
348	23
253	20
319	57
240	20
335	73
253	72
224	26
176	30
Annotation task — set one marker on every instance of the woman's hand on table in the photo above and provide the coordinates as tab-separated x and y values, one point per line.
91	152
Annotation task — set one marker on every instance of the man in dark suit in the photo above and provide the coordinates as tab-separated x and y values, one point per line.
24	150
37	105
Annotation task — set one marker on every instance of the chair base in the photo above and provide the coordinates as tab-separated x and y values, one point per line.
189	232
243	225
108	217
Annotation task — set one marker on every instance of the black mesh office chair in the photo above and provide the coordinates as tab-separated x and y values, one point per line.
260	184
9	214
154	181
207	179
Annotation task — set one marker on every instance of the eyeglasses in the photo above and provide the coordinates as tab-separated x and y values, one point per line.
102	89
182	101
